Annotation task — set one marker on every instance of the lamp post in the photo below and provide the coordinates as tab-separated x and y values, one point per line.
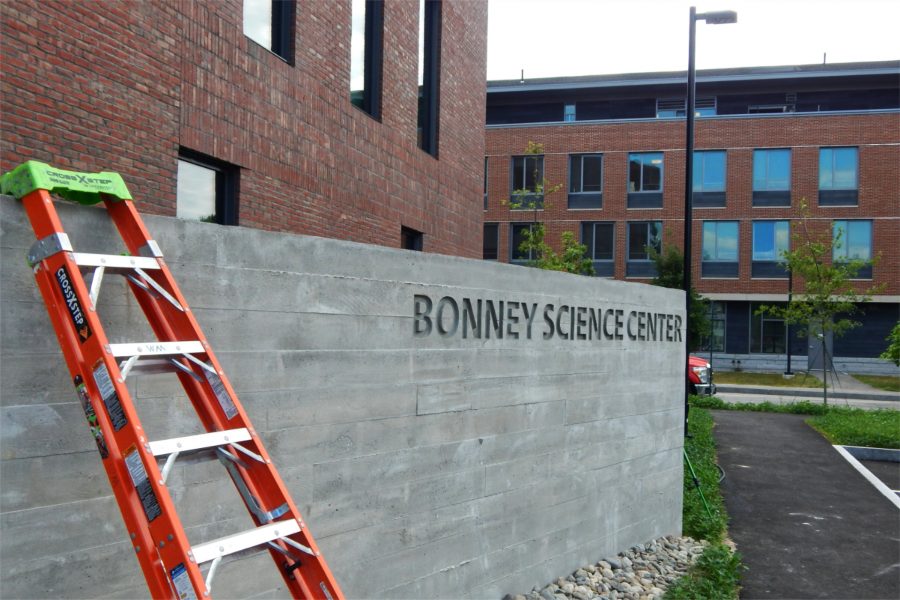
712	18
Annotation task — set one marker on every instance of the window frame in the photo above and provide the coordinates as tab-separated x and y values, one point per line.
529	196
603	267
281	28
578	198
758	327
769	268
716	267
642	267
839	196
373	58
708	198
227	185
429	92
513	259
769	194
496	237
642	198
866	271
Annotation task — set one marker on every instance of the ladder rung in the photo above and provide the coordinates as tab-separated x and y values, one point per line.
231	544
113	261
156	348
198	442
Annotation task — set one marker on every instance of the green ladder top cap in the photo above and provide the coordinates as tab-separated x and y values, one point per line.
84	188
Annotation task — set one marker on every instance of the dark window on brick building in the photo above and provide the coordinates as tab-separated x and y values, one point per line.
366	35
852	241
720	249
645	180
527	174
429	74
410	239
641	235
491	241
771	239
516	237
586	181
485	183
207	189
270	23
600	239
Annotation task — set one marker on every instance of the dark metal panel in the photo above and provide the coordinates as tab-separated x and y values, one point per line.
772	198
838	197
708	199
768	269
719	269
645	200
585	199
640	268
737	327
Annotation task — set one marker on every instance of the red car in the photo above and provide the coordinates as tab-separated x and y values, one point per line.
700	376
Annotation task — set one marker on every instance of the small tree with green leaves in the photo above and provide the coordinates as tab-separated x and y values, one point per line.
670	274
573	258
828	298
893	350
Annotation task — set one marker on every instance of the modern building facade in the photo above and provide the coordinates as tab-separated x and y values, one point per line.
766	141
354	119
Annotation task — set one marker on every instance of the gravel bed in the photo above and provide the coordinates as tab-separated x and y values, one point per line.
642	573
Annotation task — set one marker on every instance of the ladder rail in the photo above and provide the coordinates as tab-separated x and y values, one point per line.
137	479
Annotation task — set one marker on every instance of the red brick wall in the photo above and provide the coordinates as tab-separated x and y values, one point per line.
120	85
876	135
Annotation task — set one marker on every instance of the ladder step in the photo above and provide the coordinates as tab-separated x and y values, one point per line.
156	349
231	544
198	442
115	262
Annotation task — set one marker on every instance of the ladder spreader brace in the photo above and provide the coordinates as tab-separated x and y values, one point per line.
138	468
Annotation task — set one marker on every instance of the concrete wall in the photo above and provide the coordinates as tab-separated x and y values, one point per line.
426	466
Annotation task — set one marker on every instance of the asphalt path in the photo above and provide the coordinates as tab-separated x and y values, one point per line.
807	524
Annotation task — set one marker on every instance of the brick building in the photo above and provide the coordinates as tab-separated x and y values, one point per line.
350	119
765	139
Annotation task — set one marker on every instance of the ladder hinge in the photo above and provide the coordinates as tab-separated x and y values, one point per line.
50	245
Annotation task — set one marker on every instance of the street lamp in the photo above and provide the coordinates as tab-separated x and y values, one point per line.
712	18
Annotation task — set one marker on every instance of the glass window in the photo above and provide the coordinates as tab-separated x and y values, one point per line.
585	173
485	182
196	192
852	240
668	108
491	241
645	172
709	171
720	241
768	335
717	327
410	239
517	236
771	170
527	172
770	240
640	236
838	168
600	240
429	73
367	23
569	114
206	189
270	24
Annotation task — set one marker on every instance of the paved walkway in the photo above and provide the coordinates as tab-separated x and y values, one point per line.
807	524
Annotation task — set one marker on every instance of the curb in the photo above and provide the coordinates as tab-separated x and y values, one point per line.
807	392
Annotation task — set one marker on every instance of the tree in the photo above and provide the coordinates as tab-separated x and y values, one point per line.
893	350
829	297
670	274
573	258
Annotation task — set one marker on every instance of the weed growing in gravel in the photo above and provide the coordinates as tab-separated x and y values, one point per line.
716	575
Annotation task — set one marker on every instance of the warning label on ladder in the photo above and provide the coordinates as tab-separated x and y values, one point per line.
142	483
182	582
218	388
110	397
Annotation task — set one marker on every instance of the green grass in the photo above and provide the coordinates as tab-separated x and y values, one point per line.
890	383
839	424
803	380
716	575
717	572
857	427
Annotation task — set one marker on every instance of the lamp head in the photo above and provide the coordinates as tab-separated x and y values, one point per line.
721	17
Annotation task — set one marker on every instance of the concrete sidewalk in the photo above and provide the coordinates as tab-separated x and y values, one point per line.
807	524
844	387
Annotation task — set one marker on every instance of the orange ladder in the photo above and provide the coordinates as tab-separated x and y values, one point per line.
137	467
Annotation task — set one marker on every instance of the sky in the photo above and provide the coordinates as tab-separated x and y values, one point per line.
549	38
